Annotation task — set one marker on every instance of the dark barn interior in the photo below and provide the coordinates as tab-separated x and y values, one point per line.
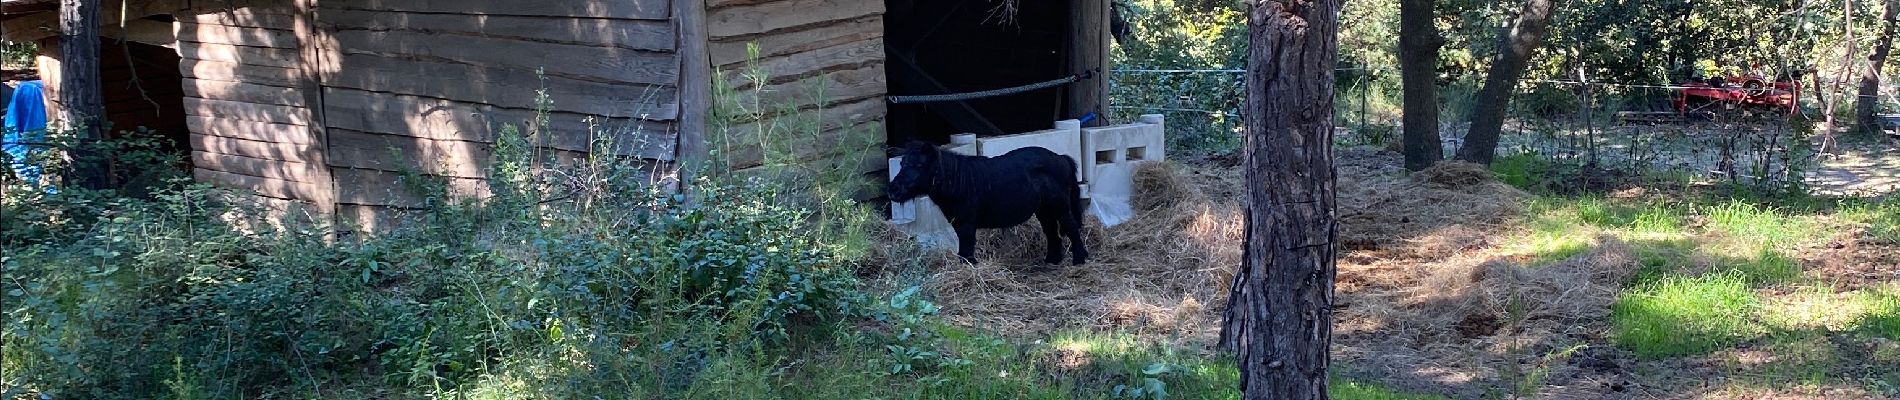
142	88
957	46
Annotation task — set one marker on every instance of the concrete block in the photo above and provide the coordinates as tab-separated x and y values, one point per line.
1064	139
1113	154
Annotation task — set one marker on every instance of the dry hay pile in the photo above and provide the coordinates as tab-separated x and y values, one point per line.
1422	289
1160	272
1167	270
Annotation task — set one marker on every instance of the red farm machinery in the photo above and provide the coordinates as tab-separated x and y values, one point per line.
1732	96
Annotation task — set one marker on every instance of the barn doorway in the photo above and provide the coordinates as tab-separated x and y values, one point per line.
960	46
144	93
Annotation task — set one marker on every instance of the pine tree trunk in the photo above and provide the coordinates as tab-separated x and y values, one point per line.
1514	54
1867	104
1418	66
1279	313
81	105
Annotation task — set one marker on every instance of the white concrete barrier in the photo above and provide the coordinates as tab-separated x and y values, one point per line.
1064	139
1113	154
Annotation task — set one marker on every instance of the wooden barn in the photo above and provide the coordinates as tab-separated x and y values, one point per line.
323	102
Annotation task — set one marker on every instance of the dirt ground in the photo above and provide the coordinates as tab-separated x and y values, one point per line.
1427	300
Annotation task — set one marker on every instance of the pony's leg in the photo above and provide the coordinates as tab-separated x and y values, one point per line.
966	242
1072	227
1051	229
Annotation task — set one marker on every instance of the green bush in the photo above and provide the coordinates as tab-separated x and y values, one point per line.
165	295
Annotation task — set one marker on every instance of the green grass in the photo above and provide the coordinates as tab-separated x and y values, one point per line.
1068	365
1349	390
1750	224
1882	219
1883	313
1524	171
1679	316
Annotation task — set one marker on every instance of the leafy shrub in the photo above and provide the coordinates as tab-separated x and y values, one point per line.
110	296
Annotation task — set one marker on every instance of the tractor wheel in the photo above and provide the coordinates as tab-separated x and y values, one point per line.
1755	87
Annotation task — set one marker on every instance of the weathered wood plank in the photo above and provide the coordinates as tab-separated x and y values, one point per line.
253	148
581	62
732	51
799	66
502	87
695	88
711	4
748	140
234	35
439	119
382	188
450	158
310	56
33	27
233	72
276	188
264	56
836	87
249	130
247	7
293	171
246	17
247	111
610	9
628	34
243	92
359	218
864	137
752	19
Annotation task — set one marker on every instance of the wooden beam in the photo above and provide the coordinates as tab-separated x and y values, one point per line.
1088	57
960	114
695	87
309	69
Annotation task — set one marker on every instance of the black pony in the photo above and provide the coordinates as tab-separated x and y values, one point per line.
996	192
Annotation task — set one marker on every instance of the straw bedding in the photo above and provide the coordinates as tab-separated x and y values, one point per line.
1420	283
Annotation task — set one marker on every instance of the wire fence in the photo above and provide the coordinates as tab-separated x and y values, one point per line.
1628	128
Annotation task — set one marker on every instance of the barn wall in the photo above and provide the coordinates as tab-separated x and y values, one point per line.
251	127
816	54
423	85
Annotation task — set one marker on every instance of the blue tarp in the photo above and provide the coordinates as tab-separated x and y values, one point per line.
25	128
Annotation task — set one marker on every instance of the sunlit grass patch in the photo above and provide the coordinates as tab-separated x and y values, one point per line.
1677	316
1882	220
1749	224
1882	317
1563	227
1555	231
1816	308
1765	268
1349	390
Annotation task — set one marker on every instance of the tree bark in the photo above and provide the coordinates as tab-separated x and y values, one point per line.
1418	66
1514	53
1279	310
1868	102
81	106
